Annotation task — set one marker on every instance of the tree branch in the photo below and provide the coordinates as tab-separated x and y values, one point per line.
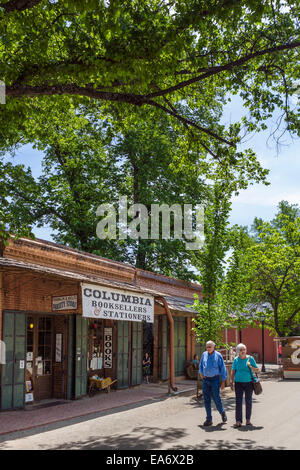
189	122
91	92
221	68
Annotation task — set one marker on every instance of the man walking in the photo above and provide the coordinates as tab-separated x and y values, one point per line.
210	368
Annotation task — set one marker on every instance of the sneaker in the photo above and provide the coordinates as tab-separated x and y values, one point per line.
207	423
224	417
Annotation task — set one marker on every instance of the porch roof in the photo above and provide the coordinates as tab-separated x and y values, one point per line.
175	303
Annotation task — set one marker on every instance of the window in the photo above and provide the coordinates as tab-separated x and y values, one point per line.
44	346
95	344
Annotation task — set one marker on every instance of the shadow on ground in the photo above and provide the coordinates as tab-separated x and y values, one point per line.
228	403
220	444
149	438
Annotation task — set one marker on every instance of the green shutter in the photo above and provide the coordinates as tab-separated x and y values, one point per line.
123	354
164	348
71	357
13	376
137	353
81	356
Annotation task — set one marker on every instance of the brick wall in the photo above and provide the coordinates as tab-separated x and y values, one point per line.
252	338
167	285
52	255
30	292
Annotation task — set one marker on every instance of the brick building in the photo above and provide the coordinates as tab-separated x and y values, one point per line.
54	343
252	338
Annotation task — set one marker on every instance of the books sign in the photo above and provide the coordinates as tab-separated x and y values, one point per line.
116	304
108	348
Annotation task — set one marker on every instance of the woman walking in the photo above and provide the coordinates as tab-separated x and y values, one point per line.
241	376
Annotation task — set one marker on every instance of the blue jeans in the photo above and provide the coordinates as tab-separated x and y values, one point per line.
240	389
211	389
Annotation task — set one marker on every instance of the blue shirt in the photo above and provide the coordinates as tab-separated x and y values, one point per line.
242	371
212	364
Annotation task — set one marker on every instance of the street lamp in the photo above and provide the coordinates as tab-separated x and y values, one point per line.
240	330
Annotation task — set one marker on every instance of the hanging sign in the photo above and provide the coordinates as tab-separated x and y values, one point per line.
116	304
108	348
67	302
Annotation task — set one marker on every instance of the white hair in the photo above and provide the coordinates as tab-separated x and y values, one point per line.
239	346
210	342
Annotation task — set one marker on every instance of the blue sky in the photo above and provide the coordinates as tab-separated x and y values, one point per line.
283	162
257	200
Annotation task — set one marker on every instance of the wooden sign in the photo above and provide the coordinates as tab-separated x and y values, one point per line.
108	348
67	302
115	304
290	359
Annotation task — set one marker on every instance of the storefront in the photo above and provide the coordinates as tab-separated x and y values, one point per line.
115	322
185	345
52	352
35	362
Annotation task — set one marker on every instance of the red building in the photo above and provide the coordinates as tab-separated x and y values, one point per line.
252	338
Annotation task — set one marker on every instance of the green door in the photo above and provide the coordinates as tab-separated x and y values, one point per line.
13	372
81	356
137	353
164	347
71	357
123	354
179	345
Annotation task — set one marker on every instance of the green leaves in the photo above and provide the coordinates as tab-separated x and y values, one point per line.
144	53
211	314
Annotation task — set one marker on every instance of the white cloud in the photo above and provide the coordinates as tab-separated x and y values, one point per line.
266	196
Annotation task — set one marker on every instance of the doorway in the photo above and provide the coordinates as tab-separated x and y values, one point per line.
39	355
180	345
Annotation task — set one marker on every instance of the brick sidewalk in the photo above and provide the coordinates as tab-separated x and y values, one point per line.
31	417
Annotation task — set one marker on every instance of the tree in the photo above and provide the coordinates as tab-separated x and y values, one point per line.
91	159
273	267
266	271
88	162
291	211
236	291
12	221
153	55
